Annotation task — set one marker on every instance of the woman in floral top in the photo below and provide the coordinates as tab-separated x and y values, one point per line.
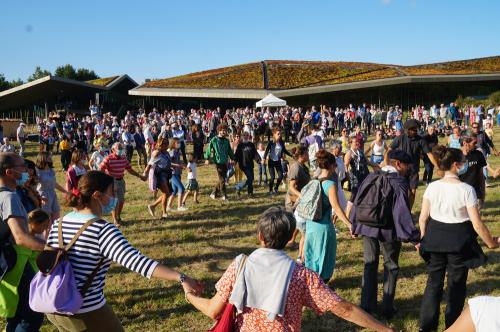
270	289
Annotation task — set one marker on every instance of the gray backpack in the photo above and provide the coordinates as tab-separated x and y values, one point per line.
310	204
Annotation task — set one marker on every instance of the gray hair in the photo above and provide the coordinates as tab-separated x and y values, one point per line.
276	226
116	145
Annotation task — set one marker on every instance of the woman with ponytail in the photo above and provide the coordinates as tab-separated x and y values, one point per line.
449	224
100	244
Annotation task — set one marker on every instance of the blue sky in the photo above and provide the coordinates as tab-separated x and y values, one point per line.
157	39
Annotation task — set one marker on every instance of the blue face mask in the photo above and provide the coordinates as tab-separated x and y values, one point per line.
462	170
120	152
24	178
108	208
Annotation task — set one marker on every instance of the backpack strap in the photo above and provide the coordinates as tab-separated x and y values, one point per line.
77	235
91	277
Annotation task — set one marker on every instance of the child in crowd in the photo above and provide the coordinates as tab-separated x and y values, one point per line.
65	148
489	130
261	150
175	181
284	167
7	147
38	223
192	185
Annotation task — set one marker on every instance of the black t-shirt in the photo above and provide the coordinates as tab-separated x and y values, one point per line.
245	154
431	141
474	175
415	146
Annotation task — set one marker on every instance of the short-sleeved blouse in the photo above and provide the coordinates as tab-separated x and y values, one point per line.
449	201
306	289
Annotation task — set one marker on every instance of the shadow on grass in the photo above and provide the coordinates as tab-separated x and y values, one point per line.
151	295
197	239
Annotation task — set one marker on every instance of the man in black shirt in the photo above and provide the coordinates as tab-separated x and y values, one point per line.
431	140
415	146
484	143
472	173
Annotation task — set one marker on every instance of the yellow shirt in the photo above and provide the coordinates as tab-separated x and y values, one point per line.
64	145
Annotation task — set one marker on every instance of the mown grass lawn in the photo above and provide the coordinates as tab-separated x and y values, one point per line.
202	242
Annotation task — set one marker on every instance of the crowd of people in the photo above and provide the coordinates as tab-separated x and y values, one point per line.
330	156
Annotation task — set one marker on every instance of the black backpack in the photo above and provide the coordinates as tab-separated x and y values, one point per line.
374	201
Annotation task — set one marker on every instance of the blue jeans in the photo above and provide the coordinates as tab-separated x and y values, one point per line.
25	320
177	186
248	182
262	173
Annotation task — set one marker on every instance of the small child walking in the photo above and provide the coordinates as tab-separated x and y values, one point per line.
261	163
284	167
192	185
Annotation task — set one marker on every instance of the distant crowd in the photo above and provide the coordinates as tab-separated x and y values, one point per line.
331	156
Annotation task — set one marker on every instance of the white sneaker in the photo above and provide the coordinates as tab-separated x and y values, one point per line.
224	198
212	196
168	209
151	210
182	208
164	216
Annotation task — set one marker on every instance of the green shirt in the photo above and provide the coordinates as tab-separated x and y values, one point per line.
219	150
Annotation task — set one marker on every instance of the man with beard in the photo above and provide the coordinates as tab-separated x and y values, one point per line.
414	145
472	173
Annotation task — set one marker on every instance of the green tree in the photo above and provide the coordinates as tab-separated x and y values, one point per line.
494	98
4	84
39	73
66	71
80	74
15	83
84	74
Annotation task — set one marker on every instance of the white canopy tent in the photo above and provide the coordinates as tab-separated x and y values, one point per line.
270	101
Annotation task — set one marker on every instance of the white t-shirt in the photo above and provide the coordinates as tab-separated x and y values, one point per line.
261	154
449	201
192	173
484	311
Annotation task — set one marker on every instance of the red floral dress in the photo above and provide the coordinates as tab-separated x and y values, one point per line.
306	289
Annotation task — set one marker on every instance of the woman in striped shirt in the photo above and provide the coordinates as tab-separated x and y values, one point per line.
101	244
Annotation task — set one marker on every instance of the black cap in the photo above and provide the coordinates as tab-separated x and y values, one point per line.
400	155
411	123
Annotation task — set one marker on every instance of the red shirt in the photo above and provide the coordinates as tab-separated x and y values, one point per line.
115	166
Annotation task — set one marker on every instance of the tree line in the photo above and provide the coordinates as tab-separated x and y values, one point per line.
65	71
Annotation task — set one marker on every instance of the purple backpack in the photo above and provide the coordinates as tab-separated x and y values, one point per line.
53	289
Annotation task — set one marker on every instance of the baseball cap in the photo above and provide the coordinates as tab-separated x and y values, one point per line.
400	155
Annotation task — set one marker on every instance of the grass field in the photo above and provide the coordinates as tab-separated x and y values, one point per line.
202	242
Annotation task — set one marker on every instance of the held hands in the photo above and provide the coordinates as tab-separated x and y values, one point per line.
351	231
496	242
193	286
207	162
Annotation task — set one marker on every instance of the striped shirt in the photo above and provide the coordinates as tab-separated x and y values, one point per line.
100	239
115	166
